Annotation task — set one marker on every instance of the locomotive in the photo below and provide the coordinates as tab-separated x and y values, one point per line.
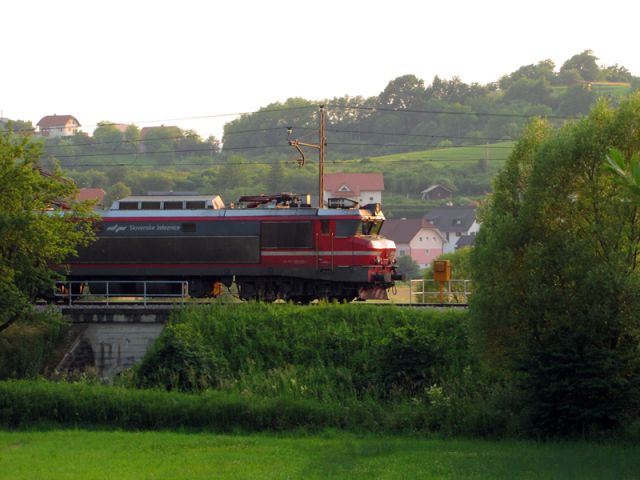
272	247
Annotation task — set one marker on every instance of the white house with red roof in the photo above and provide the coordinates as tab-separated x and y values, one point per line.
58	126
421	240
363	188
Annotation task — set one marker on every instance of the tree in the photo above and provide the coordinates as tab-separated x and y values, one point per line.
586	65
408	268
555	275
577	100
115	192
275	180
107	138
32	235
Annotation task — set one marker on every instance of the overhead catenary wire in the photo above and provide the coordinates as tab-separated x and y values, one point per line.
315	106
293	163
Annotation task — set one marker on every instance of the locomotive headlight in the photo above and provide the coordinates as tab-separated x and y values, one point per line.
377	260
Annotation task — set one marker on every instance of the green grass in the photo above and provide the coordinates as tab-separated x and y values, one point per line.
86	455
497	153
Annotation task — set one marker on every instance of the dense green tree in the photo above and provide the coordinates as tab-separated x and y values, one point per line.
542	70
585	64
275	181
402	93
115	192
577	100
34	234
616	73
555	275
407	267
532	91
107	138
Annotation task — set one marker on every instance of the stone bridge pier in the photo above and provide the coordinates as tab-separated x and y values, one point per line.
111	339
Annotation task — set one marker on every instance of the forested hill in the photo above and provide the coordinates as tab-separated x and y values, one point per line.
447	132
410	115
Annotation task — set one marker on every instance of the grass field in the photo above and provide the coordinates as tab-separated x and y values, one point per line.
496	153
86	455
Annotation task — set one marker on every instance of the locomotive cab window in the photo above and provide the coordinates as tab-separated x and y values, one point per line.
287	235
324	227
346	228
370	227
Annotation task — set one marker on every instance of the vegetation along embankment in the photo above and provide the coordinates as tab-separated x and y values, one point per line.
277	367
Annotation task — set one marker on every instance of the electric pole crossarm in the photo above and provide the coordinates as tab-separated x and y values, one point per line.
320	147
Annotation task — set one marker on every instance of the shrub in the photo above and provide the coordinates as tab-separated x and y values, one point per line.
26	345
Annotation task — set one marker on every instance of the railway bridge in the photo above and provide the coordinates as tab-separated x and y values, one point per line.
111	338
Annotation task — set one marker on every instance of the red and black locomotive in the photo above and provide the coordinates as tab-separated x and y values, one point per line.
272	247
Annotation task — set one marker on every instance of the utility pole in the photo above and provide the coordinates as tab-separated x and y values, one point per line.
322	141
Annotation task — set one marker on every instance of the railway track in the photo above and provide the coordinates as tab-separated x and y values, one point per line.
178	304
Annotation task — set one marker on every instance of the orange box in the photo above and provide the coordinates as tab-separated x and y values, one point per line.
442	270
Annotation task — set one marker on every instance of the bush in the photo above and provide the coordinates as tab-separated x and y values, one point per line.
181	361
26	345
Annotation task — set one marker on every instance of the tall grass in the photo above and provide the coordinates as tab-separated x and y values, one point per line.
325	352
26	346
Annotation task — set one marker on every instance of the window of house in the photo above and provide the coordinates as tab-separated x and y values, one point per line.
401	253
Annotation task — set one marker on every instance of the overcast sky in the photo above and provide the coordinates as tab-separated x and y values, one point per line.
166	62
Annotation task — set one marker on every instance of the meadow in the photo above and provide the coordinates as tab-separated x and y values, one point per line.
90	454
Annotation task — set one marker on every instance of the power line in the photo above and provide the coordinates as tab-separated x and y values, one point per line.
293	163
444	112
178	119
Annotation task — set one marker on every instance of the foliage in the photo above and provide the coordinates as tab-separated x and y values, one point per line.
327	352
26	346
555	276
181	361
460	264
627	171
407	267
30	238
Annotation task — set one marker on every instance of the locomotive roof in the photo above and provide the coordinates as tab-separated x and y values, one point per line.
208	201
240	213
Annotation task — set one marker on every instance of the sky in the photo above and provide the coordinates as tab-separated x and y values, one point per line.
194	63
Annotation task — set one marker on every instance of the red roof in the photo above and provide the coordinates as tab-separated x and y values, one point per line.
90	194
404	229
56	121
355	182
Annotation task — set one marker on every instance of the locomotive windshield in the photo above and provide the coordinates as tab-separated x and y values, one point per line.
369	227
349	228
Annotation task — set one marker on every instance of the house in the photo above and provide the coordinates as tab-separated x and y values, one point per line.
58	126
96	194
437	192
363	188
416	238
455	222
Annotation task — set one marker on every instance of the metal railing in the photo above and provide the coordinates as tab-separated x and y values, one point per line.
453	292
104	290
